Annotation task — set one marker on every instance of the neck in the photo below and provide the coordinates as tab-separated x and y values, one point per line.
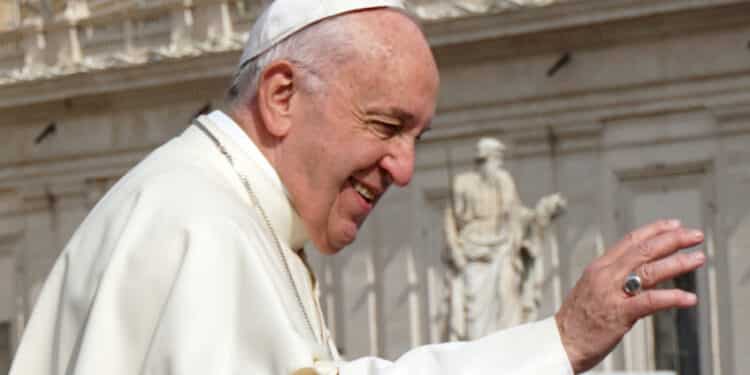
249	121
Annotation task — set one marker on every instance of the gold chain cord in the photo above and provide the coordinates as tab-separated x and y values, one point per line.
256	202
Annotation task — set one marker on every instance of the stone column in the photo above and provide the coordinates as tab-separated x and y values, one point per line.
75	11
10	15
181	39
11	246
21	306
213	23
34	44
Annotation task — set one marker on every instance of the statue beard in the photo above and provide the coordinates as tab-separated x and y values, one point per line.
492	174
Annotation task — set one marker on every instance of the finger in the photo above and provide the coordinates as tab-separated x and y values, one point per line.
643	234
659	247
655	300
670	267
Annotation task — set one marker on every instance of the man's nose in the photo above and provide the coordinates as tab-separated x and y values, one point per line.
399	163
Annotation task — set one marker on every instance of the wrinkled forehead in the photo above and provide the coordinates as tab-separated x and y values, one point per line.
388	68
392	44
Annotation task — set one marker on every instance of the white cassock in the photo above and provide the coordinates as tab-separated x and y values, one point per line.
175	272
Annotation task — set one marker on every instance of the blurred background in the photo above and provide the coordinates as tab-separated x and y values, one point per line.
631	109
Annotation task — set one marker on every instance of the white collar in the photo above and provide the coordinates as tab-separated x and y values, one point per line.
284	218
227	125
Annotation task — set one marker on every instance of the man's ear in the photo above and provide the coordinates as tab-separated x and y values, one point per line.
275	91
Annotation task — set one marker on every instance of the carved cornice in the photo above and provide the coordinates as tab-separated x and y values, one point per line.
442	10
161	72
578	137
447	24
530	142
576	108
93	166
559	16
123	60
116	70
77	18
733	118
35	35
554	139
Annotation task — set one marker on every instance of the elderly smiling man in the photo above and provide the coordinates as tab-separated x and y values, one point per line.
193	262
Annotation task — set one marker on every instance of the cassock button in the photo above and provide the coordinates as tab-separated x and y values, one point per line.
306	371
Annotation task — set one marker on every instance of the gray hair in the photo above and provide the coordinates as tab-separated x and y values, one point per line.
313	49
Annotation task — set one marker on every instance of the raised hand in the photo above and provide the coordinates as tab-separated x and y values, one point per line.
598	312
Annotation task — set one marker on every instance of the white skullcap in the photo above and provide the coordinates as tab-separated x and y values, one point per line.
487	147
283	18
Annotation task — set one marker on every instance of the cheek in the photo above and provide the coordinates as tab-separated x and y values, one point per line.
327	165
325	175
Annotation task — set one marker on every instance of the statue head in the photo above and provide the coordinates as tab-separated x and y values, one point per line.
490	152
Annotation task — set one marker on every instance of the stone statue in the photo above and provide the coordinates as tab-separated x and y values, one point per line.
494	245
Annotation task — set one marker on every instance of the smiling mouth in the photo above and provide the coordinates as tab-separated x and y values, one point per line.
363	191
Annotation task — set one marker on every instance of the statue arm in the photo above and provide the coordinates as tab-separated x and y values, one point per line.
520	216
451	228
546	209
511	197
455	250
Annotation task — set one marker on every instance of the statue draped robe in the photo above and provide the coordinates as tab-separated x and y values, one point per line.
485	227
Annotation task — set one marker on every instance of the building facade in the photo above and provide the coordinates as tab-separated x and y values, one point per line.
632	109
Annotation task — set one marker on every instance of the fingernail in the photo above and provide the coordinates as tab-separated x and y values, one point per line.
696	234
698	256
692	299
674	223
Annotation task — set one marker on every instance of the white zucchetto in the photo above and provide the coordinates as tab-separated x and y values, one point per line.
283	18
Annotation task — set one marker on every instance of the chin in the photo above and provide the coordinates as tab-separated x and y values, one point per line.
329	248
333	245
333	238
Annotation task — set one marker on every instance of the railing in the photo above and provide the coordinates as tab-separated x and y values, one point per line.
122	33
101	34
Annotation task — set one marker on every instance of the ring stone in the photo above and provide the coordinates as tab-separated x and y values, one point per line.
633	284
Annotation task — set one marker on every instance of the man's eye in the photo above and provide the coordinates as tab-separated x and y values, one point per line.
386	130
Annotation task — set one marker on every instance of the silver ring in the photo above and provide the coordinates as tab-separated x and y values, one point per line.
633	284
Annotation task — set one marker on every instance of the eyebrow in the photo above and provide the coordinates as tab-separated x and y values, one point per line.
400	114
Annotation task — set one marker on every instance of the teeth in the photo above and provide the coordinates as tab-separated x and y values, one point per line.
362	190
